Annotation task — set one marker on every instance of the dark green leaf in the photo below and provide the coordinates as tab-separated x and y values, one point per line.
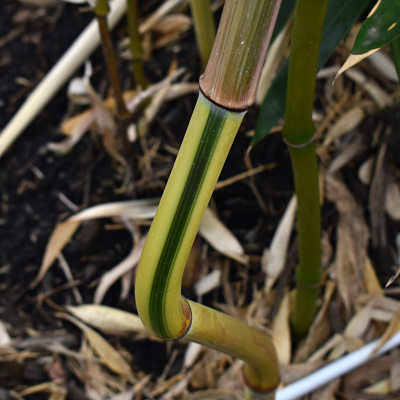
340	17
380	28
395	47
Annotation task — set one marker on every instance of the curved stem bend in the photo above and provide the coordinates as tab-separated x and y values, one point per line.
216	119
163	310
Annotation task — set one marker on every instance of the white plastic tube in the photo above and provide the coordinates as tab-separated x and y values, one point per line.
79	51
336	369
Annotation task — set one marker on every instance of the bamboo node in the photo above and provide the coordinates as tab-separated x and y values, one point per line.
299	145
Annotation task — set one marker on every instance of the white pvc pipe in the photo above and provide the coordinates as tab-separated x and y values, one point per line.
79	51
336	369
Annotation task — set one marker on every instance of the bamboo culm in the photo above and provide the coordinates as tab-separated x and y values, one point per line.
200	159
298	133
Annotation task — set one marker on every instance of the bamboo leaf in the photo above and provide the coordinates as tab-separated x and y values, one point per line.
220	237
340	17
107	353
381	27
135	209
107	319
126	265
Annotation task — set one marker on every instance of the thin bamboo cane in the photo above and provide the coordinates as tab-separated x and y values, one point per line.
101	11
135	45
204	28
298	133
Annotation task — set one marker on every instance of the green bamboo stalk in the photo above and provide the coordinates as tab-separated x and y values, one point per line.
298	133
211	131
101	11
135	44
395	47
204	28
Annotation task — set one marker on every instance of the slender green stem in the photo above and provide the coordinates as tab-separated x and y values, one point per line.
298	133
135	45
101	10
395	47
204	28
308	272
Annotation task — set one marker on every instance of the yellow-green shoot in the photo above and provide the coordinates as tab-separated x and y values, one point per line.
227	89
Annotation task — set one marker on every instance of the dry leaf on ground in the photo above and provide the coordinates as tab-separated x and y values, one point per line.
352	242
108	319
281	336
220	237
273	259
109	356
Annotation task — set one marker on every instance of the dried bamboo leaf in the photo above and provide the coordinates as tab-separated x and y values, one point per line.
320	354
281	331
59	238
191	354
171	28
220	237
371	281
275	57
327	392
352	233
378	95
274	259
381	387
347	122
126	265
56	392
105	351
359	323
366	170
384	64
135	209
339	350
208	282
391	330
377	314
377	196
107	319
354	59
5	338
353	343
346	155
386	303
294	372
